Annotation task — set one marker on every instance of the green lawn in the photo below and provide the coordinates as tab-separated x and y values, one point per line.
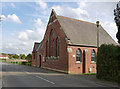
89	73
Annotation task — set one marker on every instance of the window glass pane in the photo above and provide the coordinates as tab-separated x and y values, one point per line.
51	49
93	55
78	55
47	49
57	49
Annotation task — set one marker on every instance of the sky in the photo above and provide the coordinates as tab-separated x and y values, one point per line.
24	23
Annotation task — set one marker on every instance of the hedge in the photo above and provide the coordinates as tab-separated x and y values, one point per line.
108	62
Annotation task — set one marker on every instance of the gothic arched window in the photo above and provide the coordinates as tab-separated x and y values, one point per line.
78	55
93	55
57	46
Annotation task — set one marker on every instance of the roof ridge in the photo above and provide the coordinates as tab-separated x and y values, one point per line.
37	43
76	19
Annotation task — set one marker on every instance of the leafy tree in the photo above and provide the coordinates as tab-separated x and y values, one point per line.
29	57
15	56
22	56
117	20
10	56
3	53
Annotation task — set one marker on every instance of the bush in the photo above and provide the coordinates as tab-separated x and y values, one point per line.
108	63
3	60
23	63
27	63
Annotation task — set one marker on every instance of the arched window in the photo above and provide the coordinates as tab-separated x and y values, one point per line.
50	43
57	46
78	55
47	49
93	56
51	48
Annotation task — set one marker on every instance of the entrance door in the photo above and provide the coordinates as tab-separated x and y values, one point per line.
84	61
39	60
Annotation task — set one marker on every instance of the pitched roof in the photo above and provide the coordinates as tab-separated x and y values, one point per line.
83	33
39	47
36	44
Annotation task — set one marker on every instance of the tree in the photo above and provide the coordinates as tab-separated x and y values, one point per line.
10	56
29	57
22	56
117	20
15	56
3	53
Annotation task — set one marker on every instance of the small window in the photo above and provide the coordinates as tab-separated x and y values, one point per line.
78	55
93	56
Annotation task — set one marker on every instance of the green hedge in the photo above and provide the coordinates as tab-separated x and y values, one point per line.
27	63
108	63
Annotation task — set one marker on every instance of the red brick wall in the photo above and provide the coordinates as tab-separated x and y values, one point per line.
60	63
34	61
78	67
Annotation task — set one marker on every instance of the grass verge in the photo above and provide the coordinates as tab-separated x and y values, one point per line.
89	73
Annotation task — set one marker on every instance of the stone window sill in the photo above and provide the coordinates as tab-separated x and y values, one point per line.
78	62
93	62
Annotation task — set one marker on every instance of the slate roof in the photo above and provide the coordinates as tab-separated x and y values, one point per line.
36	45
39	47
83	33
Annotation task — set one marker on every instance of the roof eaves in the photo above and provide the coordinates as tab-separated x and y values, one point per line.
83	45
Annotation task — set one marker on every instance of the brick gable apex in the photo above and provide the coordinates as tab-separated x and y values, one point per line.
55	18
53	13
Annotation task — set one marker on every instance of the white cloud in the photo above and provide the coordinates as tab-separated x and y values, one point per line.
42	4
82	4
77	13
24	44
33	35
13	5
17	48
23	36
38	23
13	18
27	38
10	45
111	28
29	31
2	17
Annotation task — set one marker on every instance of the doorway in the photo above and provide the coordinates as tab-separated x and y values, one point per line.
84	61
39	60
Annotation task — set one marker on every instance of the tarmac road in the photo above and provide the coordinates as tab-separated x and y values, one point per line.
26	76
